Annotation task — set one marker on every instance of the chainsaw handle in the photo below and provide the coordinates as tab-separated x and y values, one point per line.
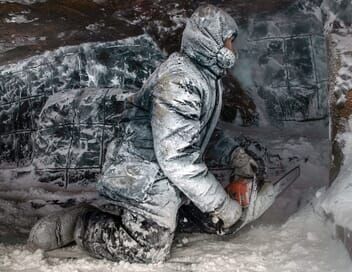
219	226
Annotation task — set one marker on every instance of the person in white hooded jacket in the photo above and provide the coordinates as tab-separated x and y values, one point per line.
158	164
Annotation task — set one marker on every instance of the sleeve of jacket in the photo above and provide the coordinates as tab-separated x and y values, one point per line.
177	108
220	148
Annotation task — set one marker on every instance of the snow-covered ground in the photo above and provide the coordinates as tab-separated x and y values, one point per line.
303	243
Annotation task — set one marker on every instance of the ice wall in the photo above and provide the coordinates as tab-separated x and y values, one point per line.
26	86
283	69
283	65
336	202
58	112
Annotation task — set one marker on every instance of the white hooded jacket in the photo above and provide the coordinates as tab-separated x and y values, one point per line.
167	126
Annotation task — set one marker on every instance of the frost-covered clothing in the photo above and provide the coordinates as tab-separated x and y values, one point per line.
127	237
166	127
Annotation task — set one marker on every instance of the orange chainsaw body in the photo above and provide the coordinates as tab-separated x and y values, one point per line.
240	190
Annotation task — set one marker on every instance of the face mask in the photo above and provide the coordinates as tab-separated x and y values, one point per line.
226	58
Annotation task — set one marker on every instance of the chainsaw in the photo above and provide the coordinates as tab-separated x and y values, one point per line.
254	197
254	200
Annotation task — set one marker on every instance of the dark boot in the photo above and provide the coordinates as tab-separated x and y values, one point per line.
56	229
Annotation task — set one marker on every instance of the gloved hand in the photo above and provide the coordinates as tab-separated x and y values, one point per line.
229	212
245	165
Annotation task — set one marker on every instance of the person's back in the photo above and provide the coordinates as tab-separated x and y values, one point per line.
136	148
136	118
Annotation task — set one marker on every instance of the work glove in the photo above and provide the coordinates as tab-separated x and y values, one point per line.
243	164
227	214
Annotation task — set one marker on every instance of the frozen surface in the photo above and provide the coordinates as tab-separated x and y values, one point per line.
338	200
19	18
23	2
338	23
344	76
304	242
282	65
342	41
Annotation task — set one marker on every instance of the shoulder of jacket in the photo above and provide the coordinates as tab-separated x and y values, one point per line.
179	70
